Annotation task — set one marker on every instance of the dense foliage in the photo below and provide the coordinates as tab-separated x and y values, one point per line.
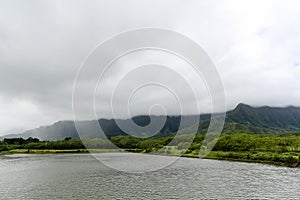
284	148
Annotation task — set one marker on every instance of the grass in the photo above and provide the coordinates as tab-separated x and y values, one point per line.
290	159
270	149
53	151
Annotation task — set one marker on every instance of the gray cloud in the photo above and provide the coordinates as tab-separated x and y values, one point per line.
254	44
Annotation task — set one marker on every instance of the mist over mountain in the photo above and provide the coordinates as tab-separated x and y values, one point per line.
287	118
244	118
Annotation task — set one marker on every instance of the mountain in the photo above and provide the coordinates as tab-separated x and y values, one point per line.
244	118
90	129
259	120
266	117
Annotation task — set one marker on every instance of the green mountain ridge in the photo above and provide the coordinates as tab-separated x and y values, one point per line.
266	117
244	118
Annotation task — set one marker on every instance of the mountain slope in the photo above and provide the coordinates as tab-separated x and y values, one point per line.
244	118
267	117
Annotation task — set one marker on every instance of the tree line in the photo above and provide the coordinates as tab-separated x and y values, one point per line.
241	142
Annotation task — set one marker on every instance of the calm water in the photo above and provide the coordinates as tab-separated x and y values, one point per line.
80	176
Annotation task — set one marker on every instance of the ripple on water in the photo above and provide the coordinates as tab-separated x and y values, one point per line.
80	176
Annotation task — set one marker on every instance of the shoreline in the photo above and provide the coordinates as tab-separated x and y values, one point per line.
214	155
55	151
266	162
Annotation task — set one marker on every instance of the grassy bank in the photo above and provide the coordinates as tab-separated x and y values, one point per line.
280	159
271	149
53	151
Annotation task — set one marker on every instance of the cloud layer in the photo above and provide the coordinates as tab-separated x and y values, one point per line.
254	44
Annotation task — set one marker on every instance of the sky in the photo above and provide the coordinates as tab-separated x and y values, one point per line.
255	46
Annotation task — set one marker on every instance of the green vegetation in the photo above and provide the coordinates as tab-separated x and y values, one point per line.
281	149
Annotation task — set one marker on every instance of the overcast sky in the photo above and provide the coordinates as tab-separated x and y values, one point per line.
255	46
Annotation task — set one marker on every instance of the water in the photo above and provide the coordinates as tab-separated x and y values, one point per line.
80	176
